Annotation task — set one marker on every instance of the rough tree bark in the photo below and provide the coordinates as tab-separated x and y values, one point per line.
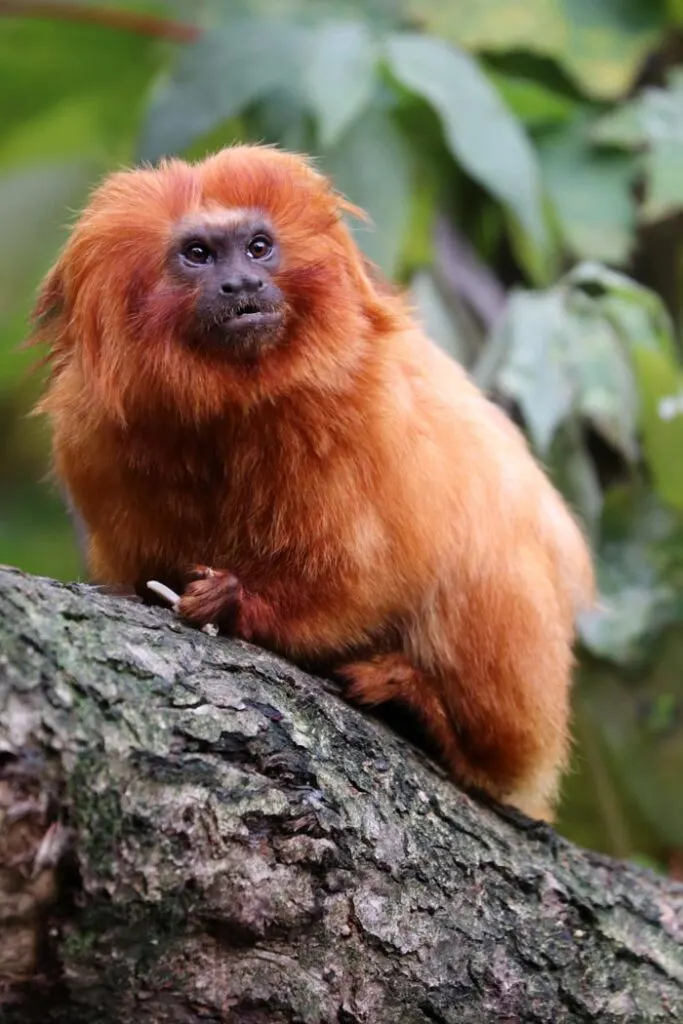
192	830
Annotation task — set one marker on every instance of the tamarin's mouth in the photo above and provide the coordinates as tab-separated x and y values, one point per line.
239	325
247	308
252	317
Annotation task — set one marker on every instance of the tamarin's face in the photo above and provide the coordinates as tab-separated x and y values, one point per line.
228	260
188	288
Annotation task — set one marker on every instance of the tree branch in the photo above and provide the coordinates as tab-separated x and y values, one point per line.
105	17
194	830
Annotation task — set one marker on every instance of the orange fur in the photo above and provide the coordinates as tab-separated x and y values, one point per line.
367	505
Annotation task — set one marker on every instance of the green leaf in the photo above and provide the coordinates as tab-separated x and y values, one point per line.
600	43
536	371
382	13
570	354
281	119
591	192
661	420
574	473
482	134
541	266
494	25
632	605
638	312
636	567
653	121
532	102
218	76
606	42
664	173
643	324
607	393
371	166
621	127
339	78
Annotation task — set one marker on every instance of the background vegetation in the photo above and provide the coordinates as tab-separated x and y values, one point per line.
522	162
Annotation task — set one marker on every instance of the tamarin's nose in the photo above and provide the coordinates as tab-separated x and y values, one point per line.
248	283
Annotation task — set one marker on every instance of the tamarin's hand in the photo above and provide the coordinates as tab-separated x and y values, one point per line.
232	388
212	597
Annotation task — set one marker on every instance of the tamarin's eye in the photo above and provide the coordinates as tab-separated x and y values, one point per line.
259	247
197	253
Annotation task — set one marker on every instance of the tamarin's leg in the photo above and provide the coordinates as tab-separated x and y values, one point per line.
484	742
495	696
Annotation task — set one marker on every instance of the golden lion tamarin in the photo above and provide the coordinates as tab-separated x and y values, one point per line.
241	412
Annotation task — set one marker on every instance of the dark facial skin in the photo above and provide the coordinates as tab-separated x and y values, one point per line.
231	267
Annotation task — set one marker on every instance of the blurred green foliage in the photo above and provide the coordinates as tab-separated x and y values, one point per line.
522	163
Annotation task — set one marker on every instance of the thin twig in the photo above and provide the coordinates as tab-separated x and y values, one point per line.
106	17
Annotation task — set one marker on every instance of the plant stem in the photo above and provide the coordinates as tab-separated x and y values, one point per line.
107	17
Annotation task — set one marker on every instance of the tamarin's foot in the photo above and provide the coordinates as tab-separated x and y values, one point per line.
213	596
